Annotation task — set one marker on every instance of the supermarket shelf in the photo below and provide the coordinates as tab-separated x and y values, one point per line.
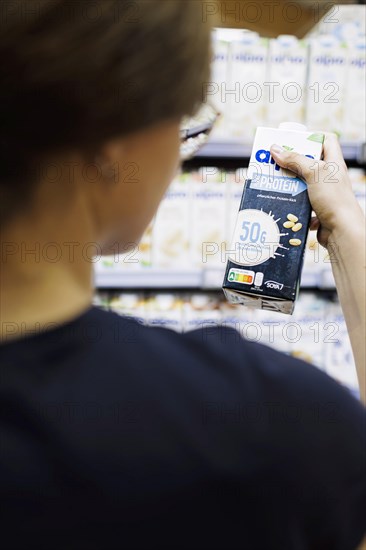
321	280
150	279
209	279
225	149
354	151
236	149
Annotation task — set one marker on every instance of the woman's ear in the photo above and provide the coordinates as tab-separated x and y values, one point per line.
109	159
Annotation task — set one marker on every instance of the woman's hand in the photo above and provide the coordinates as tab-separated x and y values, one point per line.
329	187
341	227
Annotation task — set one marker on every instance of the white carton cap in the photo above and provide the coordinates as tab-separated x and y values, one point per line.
327	40
227	34
293	126
287	40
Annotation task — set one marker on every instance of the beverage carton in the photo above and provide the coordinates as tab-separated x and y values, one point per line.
201	311
245	91
266	254
355	96
208	217
339	357
326	84
164	310
235	182
287	80
220	68
305	334
171	231
129	304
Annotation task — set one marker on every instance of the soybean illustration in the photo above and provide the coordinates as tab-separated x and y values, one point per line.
295	242
293	223
297	227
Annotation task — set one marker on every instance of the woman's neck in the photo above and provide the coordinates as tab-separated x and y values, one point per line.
46	270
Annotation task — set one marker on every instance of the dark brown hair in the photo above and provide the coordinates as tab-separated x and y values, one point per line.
75	73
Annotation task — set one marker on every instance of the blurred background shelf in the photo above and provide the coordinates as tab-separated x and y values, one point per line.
192	298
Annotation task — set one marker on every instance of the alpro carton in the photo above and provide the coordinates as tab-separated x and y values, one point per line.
165	310
287	80
355	96
171	232
208	217
245	91
326	84
221	39
266	254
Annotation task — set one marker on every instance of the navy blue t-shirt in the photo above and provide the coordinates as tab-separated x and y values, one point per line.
116	435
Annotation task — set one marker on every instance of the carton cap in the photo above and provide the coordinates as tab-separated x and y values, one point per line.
327	41
293	126
227	34
287	40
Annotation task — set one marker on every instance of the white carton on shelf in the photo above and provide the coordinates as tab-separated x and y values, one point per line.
248	73
305	333
129	304
171	232
355	95
101	299
344	21
286	91
312	261
326	84
240	319
339	358
351	30
201	311
140	255
209	218
358	179
272	329
317	270
219	77
230	316
165	310
144	248
106	264
235	185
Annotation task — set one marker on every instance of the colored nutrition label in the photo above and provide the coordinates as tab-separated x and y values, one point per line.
241	276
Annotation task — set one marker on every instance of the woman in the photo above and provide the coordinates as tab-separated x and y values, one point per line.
118	435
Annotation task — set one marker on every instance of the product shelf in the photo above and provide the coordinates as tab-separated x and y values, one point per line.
149	279
197	279
236	149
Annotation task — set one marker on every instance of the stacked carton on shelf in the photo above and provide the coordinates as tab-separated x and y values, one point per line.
245	92
209	196
195	223
326	84
171	232
319	81
355	95
286	89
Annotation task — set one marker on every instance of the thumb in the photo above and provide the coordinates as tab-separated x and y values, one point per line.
302	166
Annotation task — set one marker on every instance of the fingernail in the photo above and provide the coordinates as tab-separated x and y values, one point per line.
277	149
